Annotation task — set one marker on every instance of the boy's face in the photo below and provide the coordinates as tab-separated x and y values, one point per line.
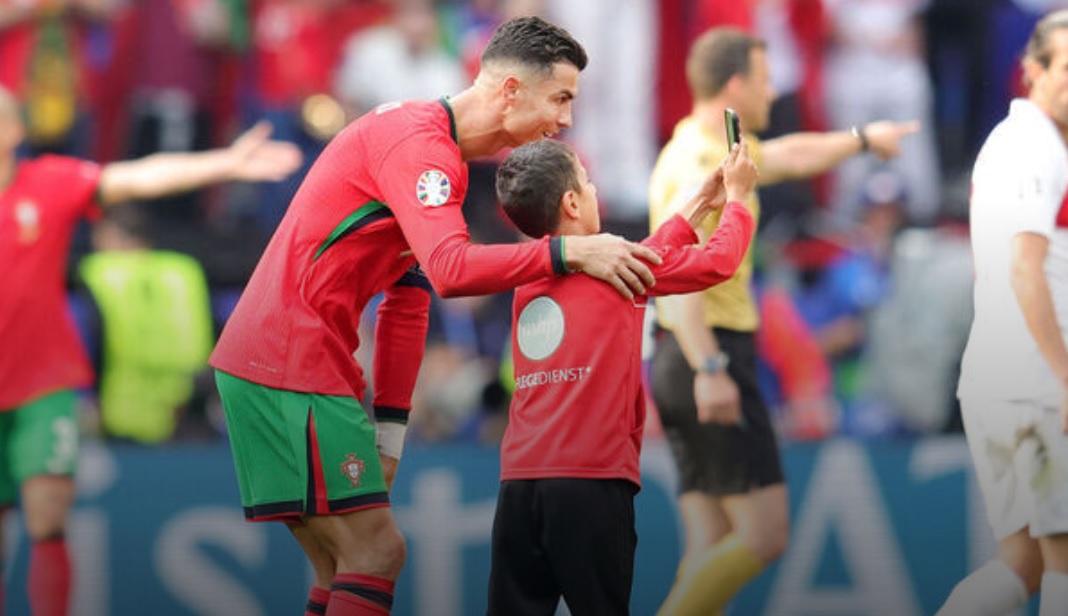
586	196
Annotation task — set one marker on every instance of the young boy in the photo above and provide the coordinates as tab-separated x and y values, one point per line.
569	461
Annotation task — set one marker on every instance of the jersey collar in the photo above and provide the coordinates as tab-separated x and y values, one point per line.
444	101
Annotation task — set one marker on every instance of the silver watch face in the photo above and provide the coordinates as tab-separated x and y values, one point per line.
716	363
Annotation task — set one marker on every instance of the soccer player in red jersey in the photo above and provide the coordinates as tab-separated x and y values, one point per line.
42	361
379	212
569	460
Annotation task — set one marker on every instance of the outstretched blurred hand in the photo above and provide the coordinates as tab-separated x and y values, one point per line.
256	158
884	137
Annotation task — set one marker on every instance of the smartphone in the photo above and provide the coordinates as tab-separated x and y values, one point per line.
734	128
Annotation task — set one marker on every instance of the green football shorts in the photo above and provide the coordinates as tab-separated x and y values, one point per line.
299	454
38	438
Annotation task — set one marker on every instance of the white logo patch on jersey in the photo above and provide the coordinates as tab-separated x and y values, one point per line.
1030	186
433	188
540	328
28	219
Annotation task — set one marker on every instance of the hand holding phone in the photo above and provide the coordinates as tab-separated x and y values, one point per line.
740	174
734	127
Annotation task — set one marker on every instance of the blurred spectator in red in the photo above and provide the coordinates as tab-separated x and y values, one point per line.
43	62
805	408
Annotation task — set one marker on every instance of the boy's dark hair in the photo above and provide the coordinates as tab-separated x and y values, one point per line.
531	181
534	42
718	55
1039	48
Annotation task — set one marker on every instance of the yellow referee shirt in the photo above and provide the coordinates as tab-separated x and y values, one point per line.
682	167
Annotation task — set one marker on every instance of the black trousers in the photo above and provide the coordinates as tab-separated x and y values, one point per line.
570	538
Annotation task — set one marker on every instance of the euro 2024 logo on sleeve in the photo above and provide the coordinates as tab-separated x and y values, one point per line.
540	328
433	188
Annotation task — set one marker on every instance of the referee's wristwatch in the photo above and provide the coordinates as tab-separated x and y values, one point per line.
715	364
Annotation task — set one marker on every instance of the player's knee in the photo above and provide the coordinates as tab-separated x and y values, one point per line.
46	505
43	525
381	554
769	540
778	539
392	551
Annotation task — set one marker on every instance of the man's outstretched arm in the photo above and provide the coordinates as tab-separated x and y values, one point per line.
803	155
251	157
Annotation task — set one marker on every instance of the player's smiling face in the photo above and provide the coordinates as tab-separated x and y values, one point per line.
540	105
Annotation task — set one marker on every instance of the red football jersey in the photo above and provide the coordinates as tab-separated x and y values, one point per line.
40	350
385	194
579	407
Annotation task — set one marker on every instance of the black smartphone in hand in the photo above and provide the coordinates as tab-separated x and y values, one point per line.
734	127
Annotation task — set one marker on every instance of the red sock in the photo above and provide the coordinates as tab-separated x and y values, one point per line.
354	594
50	577
317	600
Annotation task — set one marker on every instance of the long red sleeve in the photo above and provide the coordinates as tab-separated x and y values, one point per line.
400	334
675	232
424	185
457	267
690	268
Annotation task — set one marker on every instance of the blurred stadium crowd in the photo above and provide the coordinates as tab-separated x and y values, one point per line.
864	276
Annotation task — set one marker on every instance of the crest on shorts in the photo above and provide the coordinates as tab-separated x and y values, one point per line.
433	188
352	468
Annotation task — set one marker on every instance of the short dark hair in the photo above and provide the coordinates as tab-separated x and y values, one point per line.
534	42
716	56
1038	46
531	181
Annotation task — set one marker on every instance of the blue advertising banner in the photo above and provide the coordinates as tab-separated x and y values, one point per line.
882	529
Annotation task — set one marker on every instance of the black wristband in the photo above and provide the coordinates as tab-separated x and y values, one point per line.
858	132
556	252
391	414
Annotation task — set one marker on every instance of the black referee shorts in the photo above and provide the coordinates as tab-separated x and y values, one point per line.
573	538
716	459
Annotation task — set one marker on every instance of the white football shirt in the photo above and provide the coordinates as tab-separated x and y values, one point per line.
1018	185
